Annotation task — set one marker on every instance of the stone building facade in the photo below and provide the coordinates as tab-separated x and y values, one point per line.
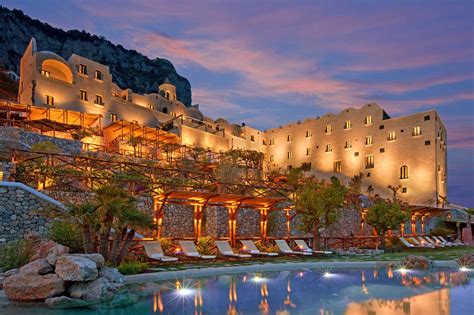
410	151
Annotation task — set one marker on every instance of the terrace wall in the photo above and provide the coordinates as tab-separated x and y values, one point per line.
23	209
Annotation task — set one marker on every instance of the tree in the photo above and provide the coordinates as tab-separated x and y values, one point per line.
394	190
355	184
318	203
84	215
384	216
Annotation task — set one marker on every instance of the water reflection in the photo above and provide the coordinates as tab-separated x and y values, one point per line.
358	291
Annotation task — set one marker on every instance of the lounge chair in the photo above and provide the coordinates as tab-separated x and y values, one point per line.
305	248
424	240
434	242
190	250
253	250
445	243
407	243
424	244
453	243
154	251
225	250
285	249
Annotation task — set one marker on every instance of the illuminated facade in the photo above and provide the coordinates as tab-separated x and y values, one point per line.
409	151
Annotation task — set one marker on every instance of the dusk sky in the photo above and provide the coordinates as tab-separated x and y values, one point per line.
271	62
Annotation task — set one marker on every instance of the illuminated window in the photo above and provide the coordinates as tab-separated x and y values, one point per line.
404	172
309	151
347	125
328	129
416	131
113	117
289	138
98	75
252	138
290	155
391	136
337	166
348	144
272	141
98	100
309	133
83	95
46	73
369	161
368	140
49	100
83	69
328	148
368	120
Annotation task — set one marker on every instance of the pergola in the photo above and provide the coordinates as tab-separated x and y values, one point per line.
202	199
123	129
48	118
423	213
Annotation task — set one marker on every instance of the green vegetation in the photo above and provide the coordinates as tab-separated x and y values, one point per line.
132	267
384	216
68	234
318	203
15	254
205	245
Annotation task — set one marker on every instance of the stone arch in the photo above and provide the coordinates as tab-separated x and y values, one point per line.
57	70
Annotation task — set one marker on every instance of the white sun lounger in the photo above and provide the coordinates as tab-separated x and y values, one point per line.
424	244
225	250
190	250
454	243
434	242
305	248
285	249
154	251
253	250
407	243
445	243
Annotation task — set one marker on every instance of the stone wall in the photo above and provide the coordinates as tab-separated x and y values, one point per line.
23	210
178	221
23	139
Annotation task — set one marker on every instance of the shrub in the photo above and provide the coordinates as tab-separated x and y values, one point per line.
205	245
267	248
16	254
441	231
68	234
132	267
45	146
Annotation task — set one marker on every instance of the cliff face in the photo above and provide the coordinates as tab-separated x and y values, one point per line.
129	68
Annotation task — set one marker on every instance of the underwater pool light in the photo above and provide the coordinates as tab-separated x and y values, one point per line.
402	270
184	292
258	279
327	274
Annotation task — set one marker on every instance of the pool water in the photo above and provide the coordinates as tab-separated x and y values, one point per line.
316	291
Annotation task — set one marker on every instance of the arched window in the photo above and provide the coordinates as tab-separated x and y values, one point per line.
403	172
57	70
165	110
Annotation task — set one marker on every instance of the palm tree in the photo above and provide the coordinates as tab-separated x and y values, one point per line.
84	214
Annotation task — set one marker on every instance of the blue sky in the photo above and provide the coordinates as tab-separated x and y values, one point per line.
270	62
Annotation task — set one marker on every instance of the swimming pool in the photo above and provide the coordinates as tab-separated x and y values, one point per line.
313	291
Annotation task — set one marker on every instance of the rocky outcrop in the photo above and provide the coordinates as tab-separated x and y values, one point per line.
39	266
417	262
76	268
33	287
65	280
129	68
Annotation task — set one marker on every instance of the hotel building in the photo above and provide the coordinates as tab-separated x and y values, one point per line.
409	151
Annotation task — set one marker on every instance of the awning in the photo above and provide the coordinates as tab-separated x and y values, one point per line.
125	129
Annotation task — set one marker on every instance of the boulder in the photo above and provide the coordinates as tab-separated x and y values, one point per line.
10	272
39	266
100	289
52	249
33	287
76	268
112	274
97	258
2	278
417	262
62	302
466	260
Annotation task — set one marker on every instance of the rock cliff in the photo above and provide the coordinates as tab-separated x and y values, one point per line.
129	68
